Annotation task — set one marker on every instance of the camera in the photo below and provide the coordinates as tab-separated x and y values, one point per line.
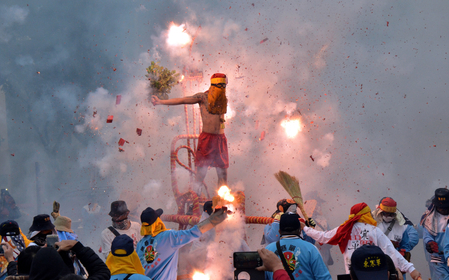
247	260
245	264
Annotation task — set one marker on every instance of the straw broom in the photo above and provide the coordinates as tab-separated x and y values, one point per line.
291	185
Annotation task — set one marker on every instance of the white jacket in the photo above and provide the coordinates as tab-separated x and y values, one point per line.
363	234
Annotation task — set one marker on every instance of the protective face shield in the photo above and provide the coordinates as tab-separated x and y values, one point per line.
291	209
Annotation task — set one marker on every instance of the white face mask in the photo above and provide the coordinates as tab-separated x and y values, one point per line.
291	209
387	219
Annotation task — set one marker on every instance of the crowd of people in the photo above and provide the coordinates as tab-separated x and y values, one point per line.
375	244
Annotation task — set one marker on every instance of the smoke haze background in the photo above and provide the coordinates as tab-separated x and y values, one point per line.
368	79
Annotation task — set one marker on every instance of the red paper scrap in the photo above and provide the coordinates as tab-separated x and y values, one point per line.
93	115
264	40
115	69
118	98
120	150
388	23
121	142
311	157
262	136
109	119
12	154
139	131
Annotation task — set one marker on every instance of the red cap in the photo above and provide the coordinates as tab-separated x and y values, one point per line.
388	205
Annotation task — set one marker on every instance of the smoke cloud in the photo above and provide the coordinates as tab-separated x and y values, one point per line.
367	81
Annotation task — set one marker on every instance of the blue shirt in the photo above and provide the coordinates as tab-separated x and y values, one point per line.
132	277
159	254
303	257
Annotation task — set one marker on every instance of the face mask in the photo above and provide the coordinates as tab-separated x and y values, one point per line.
123	224
40	239
443	211
387	219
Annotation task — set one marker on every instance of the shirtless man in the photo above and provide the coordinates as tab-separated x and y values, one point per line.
212	144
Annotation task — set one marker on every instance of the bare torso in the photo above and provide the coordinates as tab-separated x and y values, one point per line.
211	123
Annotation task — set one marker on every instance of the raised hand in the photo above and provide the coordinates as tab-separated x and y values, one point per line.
155	100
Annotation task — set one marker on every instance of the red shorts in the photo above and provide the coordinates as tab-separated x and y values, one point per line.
212	151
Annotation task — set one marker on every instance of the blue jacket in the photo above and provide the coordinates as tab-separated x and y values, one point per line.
412	236
159	254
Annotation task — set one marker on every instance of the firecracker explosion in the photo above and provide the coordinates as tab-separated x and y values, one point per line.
262	115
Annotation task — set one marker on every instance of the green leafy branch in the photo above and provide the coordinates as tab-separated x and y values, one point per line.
161	79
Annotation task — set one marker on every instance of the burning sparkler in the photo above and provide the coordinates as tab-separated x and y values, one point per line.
178	36
292	127
225	193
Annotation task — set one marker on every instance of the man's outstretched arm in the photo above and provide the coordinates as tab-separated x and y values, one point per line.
175	101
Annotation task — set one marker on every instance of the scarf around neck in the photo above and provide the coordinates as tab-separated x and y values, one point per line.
360	213
429	221
154	229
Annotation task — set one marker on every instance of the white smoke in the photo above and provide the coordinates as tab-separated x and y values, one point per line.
8	17
371	76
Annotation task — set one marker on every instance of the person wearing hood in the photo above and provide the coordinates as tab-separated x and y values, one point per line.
123	261
158	250
51	264
13	242
359	229
41	227
434	223
271	231
393	224
121	224
20	269
48	265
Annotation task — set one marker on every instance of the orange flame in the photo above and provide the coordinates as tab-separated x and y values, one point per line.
225	193
200	276
177	36
292	127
